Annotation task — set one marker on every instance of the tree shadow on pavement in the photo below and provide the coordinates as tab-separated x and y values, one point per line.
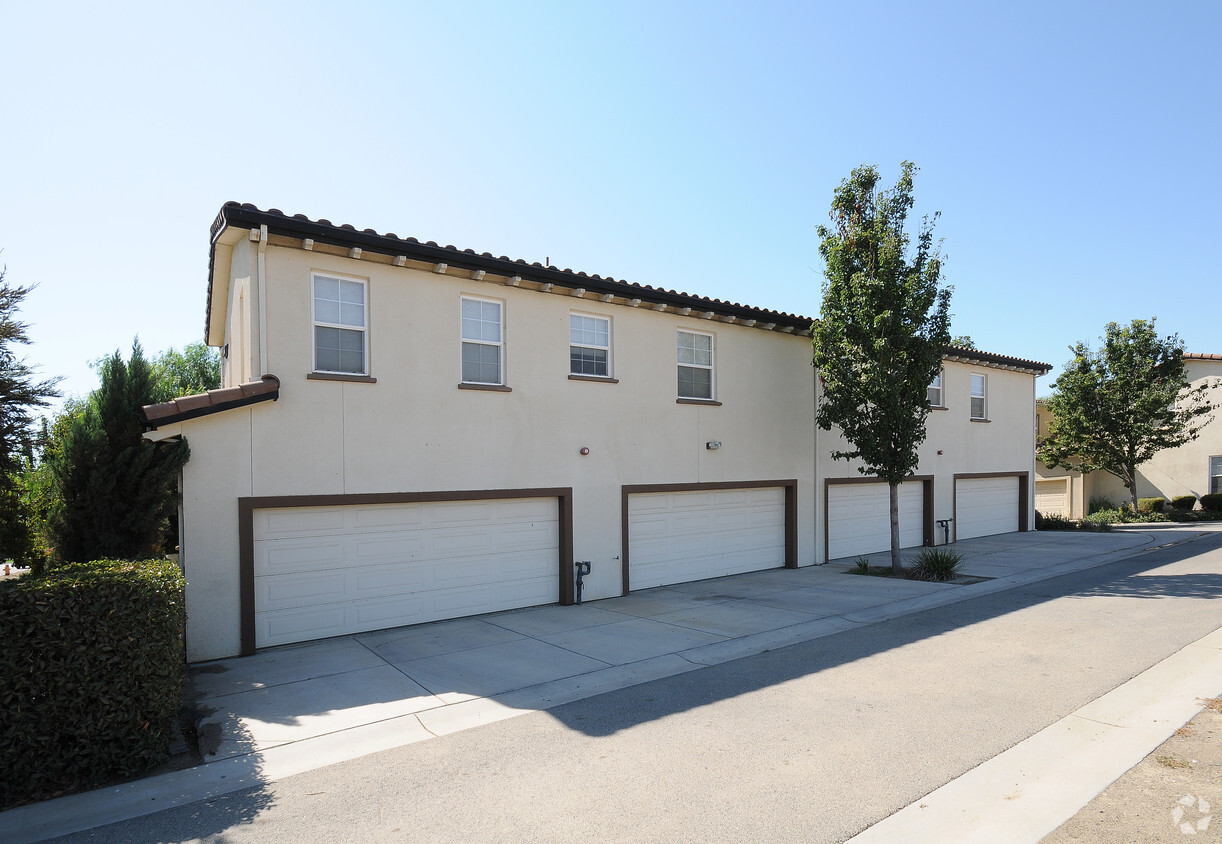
619	710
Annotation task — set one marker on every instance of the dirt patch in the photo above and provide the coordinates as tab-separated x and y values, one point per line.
1173	795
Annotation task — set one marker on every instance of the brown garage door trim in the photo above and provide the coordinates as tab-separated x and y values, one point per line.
927	537
791	512
1024	487
246	532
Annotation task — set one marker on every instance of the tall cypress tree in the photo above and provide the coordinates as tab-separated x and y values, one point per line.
117	490
19	394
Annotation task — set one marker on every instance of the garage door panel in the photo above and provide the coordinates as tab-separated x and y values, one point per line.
688	535
859	518
1052	498
386	565
986	506
288	556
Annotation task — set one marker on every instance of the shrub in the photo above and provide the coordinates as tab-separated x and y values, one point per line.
1055	521
1099	503
1104	519
1212	501
1184	502
92	679
936	564
1097	523
1151	505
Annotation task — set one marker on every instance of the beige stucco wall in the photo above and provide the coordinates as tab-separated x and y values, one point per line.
416	431
957	445
1171	473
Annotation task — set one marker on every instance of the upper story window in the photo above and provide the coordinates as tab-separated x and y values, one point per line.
482	341
935	391
1215	475
589	345
979	396
695	365
341	341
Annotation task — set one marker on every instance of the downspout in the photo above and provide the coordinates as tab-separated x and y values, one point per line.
1035	434
815	468
262	368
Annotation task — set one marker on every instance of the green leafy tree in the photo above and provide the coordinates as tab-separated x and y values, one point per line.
196	369
20	392
963	341
882	329
1115	408
116	490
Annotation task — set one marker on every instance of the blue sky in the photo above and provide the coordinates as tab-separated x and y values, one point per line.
1071	148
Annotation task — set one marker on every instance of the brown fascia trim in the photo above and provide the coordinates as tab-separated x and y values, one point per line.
247	216
791	514
213	401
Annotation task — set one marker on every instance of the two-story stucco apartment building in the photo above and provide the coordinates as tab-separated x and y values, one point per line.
1194	468
408	432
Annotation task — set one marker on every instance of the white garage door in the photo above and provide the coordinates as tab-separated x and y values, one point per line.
859	518
329	571
1052	497
985	506
676	537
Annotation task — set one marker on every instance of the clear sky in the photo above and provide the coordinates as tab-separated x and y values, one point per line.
1072	149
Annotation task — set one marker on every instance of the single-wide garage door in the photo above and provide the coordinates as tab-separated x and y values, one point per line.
985	506
676	537
859	518
1052	497
329	571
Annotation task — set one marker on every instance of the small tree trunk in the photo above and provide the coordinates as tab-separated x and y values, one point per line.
897	570
1133	496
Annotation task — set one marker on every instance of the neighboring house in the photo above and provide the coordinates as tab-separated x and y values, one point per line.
1191	469
447	432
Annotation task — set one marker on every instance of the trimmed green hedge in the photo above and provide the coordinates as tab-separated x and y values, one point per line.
90	676
1212	501
1183	502
1151	505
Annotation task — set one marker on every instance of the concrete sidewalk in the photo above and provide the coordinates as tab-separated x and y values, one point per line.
302	707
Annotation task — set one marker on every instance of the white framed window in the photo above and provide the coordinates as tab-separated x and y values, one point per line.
935	391
341	338
695	365
482	341
1215	475
589	345
979	396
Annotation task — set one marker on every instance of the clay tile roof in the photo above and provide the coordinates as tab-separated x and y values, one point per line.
978	356
346	235
1201	356
214	401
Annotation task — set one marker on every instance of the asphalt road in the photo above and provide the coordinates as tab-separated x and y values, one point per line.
813	742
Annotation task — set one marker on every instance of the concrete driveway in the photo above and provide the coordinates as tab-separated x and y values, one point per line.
298	708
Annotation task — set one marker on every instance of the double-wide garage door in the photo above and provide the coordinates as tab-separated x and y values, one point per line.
986	506
680	536
330	571
859	518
